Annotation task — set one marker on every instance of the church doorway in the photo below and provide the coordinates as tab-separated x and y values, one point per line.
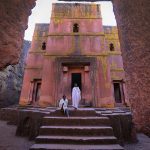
76	78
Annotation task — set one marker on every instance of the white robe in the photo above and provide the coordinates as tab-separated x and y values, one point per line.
76	97
64	103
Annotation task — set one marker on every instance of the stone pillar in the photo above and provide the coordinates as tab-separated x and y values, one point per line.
104	88
134	31
48	83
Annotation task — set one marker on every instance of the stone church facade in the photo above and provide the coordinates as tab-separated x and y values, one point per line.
75	48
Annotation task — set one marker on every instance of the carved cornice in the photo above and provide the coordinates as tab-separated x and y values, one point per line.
63	17
114	52
37	52
105	53
117	69
79	34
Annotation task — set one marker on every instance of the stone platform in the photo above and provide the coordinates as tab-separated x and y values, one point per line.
85	125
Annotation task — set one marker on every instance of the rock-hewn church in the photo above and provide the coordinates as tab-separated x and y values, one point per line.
75	48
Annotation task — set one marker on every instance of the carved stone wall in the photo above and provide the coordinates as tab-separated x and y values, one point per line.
134	22
13	22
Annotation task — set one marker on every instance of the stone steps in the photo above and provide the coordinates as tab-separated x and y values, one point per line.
76	130
76	139
84	129
75	147
76	121
81	112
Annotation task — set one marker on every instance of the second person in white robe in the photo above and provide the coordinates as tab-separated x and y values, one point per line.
76	96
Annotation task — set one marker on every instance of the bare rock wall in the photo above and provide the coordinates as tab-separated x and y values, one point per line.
134	30
13	22
11	79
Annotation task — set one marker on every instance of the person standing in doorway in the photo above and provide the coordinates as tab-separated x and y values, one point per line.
76	96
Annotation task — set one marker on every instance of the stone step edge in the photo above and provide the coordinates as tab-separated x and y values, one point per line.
75	137
75	147
75	127
72	117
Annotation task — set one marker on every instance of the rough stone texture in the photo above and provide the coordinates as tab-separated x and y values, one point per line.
11	80
29	120
123	128
10	115
29	123
13	22
133	22
8	140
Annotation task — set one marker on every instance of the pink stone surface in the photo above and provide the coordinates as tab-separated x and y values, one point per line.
133	24
13	22
85	52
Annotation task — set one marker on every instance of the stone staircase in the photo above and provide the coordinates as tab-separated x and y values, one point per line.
83	130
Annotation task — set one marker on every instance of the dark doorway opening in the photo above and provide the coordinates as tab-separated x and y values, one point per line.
36	90
37	93
76	78
117	93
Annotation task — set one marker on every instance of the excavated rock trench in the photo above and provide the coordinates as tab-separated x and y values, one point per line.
133	23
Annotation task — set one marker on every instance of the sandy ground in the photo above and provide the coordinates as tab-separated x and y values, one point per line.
143	144
8	140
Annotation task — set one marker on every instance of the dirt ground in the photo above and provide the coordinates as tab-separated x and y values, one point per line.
143	144
8	140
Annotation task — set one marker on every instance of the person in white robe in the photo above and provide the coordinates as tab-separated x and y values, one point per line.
76	96
63	105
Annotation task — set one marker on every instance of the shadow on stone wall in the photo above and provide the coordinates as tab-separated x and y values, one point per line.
29	124
123	128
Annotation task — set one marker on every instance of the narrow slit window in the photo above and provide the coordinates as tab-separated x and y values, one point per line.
44	46
75	27
111	47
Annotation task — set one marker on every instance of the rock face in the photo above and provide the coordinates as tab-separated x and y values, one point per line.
11	80
13	22
133	22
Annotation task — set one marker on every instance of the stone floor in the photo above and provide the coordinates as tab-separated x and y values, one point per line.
8	140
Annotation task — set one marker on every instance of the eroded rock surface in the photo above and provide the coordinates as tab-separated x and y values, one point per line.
11	80
133	22
13	22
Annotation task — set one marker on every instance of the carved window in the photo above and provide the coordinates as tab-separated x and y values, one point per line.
75	27
35	89
111	47
119	91
44	46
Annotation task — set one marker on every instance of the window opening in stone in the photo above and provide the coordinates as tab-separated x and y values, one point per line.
35	90
117	92
111	47
75	27
44	46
